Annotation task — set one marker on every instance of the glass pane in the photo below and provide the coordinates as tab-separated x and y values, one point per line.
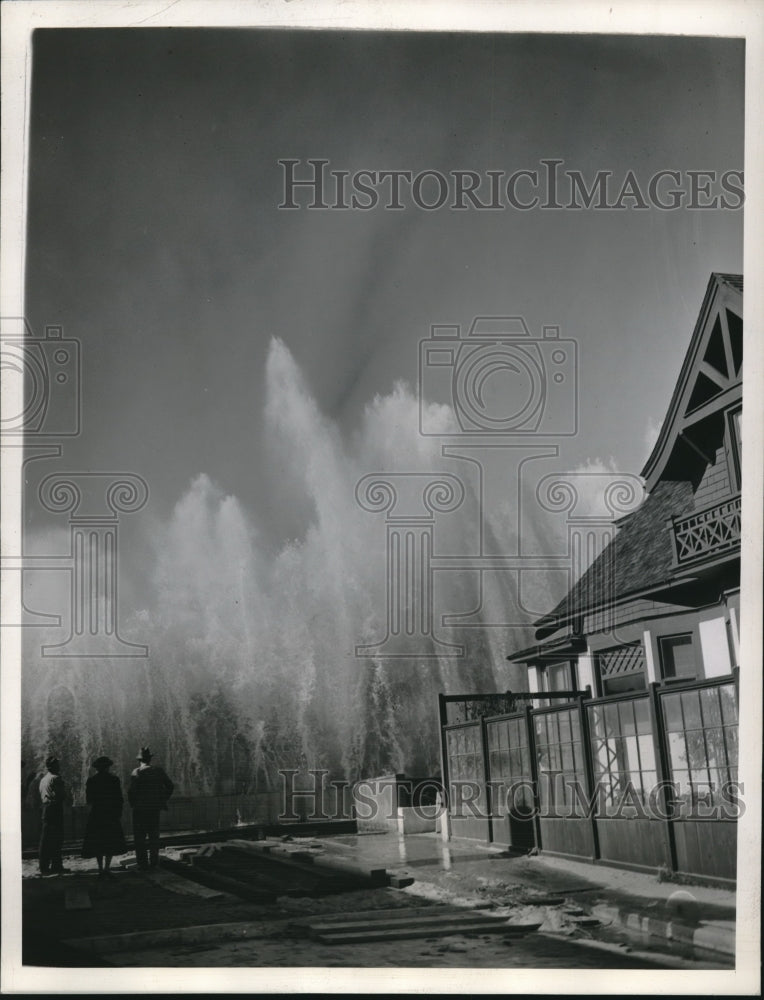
649	786
631	758
515	762
691	708
513	733
683	797
626	716
541	735
611	720
575	725
728	696
672	712
642	713
712	713
677	751
596	722
701	781
646	753
624	684
715	748
526	762
558	677
565	727
696	749
732	745
677	656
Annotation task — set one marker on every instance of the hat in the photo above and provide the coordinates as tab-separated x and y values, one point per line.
50	761
145	755
100	762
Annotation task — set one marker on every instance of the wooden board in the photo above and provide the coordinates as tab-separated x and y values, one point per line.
465	920
399	912
183	886
489	926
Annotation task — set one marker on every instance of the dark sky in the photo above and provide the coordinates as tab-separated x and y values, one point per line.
154	235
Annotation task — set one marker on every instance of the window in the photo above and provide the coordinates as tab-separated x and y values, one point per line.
623	755
560	762
510	764
556	677
703	744
622	669
736	445
678	656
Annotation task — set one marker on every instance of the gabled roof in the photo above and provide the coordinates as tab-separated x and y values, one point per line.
712	369
640	556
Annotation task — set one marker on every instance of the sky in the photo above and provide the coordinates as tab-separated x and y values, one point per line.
253	363
155	237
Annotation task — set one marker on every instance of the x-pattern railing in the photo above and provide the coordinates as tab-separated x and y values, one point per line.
709	532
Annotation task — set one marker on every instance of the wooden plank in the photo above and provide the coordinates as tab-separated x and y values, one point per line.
383	914
401	912
463	919
77	897
426	930
183	886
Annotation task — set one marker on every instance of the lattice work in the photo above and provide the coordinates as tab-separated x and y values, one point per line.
622	660
710	532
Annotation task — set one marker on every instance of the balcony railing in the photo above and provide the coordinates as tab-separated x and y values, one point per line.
708	533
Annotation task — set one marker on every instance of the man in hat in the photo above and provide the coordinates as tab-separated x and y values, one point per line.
53	794
147	793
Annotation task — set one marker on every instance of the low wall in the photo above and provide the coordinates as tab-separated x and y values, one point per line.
396	803
184	813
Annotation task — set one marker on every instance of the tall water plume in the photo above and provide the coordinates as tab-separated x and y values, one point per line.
252	639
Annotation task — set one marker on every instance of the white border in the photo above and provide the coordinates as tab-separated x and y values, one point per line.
680	17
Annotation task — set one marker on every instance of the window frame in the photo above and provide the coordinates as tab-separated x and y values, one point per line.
697	657
601	681
735	446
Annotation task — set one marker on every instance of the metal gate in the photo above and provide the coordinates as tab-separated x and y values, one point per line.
467	793
511	781
644	780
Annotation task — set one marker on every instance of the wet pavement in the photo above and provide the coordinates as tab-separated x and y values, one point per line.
574	903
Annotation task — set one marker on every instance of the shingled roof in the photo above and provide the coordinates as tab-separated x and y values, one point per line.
639	557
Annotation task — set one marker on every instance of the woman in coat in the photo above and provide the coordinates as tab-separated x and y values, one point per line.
103	833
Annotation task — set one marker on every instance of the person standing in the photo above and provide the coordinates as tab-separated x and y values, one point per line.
103	834
53	794
147	793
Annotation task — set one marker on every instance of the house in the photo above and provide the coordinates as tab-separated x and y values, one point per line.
626	751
